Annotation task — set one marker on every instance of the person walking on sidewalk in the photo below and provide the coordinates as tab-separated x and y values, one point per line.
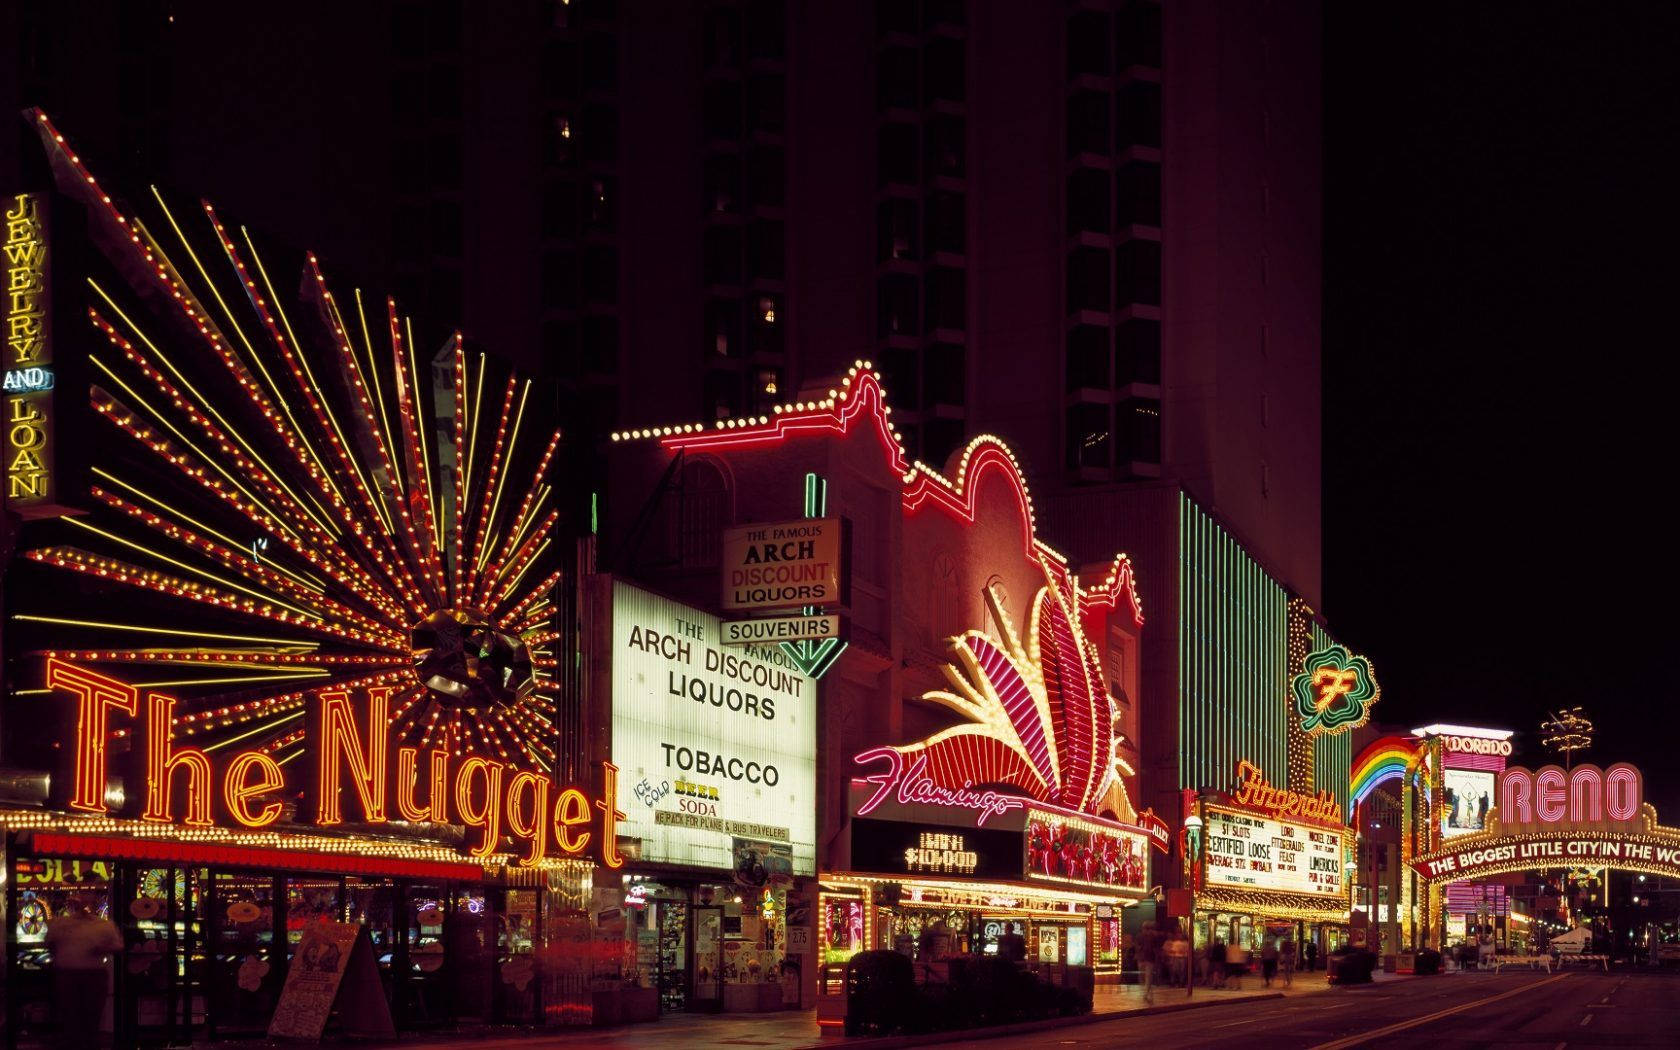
1148	955
1269	961
1312	954
1177	952
1286	962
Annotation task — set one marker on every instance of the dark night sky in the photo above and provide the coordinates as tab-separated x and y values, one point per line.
1499	348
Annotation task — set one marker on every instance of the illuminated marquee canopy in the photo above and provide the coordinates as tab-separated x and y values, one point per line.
1552	817
295	503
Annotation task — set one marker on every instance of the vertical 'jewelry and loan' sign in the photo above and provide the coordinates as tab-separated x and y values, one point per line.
28	359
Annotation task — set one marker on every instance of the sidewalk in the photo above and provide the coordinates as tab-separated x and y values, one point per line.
793	1030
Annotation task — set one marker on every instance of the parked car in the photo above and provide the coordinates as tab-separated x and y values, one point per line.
1667	954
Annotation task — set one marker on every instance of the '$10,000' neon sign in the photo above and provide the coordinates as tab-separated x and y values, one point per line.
351	764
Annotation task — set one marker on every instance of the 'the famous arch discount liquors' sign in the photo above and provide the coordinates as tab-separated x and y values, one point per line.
716	743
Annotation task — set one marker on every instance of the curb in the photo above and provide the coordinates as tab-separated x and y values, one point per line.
883	1042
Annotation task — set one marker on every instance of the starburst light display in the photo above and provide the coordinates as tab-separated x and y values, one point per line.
289	496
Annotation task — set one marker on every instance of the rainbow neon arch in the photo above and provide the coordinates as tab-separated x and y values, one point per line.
1385	759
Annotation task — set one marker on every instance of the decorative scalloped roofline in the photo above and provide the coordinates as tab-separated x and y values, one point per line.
861	399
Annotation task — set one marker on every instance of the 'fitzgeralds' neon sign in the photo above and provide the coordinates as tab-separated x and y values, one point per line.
1254	792
352	774
913	785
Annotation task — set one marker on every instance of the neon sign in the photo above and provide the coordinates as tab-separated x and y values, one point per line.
1334	691
353	776
1475	745
1585	794
1253	791
27	361
913	785
941	852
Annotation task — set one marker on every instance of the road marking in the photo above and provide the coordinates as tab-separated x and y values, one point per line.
1233	1024
1586	1020
1355	1040
1560	1046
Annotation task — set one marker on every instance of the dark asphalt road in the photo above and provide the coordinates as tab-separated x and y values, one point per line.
1508	1011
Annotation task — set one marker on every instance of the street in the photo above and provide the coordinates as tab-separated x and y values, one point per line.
1465	1010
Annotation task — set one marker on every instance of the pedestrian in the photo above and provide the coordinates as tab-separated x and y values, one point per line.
1216	964
1177	951
1148	954
1312	954
1268	961
1286	962
79	944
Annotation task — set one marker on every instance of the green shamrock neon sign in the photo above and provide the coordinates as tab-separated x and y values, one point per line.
1334	691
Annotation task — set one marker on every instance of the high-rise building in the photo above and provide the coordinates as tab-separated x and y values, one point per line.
1091	228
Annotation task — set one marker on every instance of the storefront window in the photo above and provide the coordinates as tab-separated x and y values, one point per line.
244	972
1076	941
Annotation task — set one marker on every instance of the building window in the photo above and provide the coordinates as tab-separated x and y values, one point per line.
896	307
1087	123
1087	44
947	299
896	145
945	147
1137	194
1089	441
944	378
722	105
944	71
947	227
1138	272
896	230
1137	34
723	255
600	345
703	510
899	373
1141	420
1087	201
1087	357
723	183
1087	279
1137	116
723	327
895	78
1137	352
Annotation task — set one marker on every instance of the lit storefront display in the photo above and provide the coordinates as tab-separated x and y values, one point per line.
985	688
715	745
939	867
298	665
1268	860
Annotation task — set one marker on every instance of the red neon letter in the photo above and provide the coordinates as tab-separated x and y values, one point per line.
570	810
1623	791
161	761
1586	794
1516	787
489	817
94	695
1549	794
532	827
610	816
437	808
238	789
336	738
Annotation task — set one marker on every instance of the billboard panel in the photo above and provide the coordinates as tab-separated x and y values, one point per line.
1469	796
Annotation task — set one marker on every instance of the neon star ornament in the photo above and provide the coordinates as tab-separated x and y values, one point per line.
290	498
1039	720
1334	691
